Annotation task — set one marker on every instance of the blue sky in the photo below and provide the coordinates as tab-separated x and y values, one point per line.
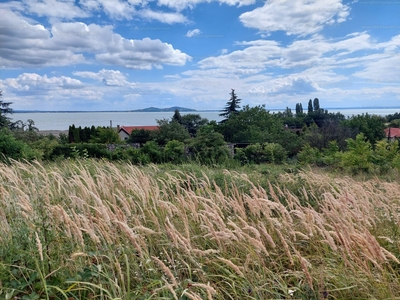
131	54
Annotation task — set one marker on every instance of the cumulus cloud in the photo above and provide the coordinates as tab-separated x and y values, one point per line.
293	86
65	9
108	77
300	17
25	44
192	33
33	81
163	17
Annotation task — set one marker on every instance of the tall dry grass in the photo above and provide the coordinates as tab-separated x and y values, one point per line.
100	230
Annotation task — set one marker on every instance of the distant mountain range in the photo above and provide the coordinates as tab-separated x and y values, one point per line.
156	109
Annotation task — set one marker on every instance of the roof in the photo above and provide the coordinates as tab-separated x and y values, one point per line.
129	129
394	132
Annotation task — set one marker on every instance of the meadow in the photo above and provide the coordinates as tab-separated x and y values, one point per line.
92	229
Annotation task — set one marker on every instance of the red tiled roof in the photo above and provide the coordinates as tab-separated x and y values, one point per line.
394	132
128	129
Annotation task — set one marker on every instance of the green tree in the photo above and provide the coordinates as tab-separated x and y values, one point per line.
11	148
177	117
105	135
232	106
358	156
174	151
192	122
372	126
31	125
316	105
153	152
384	154
310	107
288	113
5	110
140	136
261	153
170	130
209	147
251	125
395	123
299	110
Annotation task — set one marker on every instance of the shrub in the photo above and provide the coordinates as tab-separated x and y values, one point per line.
174	151
309	156
14	149
265	153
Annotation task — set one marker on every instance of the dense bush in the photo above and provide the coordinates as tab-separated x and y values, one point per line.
261	153
14	149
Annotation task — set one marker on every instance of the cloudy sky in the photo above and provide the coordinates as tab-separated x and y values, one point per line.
131	54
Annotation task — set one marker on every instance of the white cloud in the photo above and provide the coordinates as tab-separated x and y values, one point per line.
64	9
67	43
115	9
295	16
108	77
192	33
163	17
33	81
293	86
180	5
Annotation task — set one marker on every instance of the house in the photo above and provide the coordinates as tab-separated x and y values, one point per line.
392	134
125	131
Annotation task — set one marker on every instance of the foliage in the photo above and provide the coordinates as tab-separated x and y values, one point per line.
5	110
261	153
174	152
309	155
209	147
391	117
384	155
105	135
81	135
372	126
193	122
358	156
299	110
11	148
169	131
394	123
140	136
92	150
232	106
252	125
153	151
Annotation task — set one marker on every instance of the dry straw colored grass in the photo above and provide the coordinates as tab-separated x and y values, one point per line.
175	235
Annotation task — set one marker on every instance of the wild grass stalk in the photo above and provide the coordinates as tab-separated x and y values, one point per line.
119	231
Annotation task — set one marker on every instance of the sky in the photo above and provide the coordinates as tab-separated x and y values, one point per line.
100	55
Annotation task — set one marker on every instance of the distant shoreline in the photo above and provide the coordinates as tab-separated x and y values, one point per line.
186	110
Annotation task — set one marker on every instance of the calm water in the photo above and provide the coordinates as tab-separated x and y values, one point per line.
62	120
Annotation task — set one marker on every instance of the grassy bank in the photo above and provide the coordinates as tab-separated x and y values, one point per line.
96	230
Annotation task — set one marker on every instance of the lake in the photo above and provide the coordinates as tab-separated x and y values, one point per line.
62	120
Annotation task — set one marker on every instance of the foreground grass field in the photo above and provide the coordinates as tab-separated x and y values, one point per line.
96	230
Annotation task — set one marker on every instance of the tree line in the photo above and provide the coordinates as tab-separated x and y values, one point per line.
246	135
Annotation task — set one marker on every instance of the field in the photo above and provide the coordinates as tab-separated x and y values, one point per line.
86	229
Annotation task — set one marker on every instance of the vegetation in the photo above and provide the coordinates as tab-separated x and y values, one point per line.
115	231
250	208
